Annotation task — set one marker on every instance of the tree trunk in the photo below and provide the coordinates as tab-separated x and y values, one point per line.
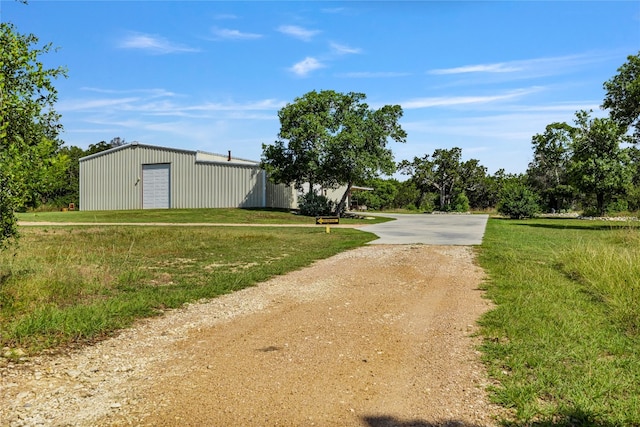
600	203
343	200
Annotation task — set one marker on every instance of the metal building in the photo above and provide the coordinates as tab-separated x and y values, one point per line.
140	176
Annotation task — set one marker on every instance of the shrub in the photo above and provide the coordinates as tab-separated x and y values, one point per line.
461	203
312	204
517	201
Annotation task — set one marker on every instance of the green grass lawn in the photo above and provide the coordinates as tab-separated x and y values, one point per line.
71	284
220	216
564	340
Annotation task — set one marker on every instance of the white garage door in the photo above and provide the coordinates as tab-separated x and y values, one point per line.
155	186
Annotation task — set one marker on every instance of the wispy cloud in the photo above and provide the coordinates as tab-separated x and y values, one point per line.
160	102
144	92
225	33
465	100
153	44
482	68
95	104
298	32
306	66
342	49
531	67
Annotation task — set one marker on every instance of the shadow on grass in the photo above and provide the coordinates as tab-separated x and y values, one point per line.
568	418
599	227
576	418
389	421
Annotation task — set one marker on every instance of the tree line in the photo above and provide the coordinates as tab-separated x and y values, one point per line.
330	139
592	165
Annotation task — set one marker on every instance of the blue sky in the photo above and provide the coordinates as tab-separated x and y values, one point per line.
212	75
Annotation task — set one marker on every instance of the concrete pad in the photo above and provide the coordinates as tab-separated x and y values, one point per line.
429	229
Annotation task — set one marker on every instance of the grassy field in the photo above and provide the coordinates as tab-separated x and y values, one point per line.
218	216
564	340
70	284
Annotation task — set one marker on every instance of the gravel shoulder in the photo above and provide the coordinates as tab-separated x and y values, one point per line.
382	335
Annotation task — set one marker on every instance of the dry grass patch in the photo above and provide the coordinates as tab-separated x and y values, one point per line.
68	284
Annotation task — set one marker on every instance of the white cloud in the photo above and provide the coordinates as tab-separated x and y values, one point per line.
94	104
306	66
464	100
482	68
533	67
153	44
225	33
298	32
159	102
341	49
149	92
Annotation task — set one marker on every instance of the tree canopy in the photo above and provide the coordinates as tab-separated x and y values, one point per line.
599	166
30	126
623	95
458	185
332	139
548	172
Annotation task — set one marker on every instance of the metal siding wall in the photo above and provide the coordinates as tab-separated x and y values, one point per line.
219	185
106	181
114	181
281	196
110	182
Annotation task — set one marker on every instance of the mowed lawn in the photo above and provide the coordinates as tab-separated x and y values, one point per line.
181	216
563	343
65	284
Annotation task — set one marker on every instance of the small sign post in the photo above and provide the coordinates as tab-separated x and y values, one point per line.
327	220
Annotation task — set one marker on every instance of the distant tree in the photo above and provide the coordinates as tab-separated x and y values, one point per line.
383	195
492	188
332	139
548	172
29	124
408	196
599	166
65	189
474	183
517	200
623	95
104	145
60	186
634	192
446	175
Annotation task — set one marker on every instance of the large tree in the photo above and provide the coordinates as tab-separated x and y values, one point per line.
442	173
623	95
547	173
599	166
332	139
29	124
474	182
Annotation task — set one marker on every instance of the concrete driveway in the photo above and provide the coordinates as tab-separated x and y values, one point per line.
429	229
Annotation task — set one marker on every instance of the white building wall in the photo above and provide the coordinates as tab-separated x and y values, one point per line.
281	196
112	180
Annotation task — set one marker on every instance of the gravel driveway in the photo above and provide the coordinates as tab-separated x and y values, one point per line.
382	335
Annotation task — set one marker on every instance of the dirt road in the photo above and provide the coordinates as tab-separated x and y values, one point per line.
377	336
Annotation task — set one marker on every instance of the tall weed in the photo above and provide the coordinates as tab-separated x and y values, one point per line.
562	343
611	274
